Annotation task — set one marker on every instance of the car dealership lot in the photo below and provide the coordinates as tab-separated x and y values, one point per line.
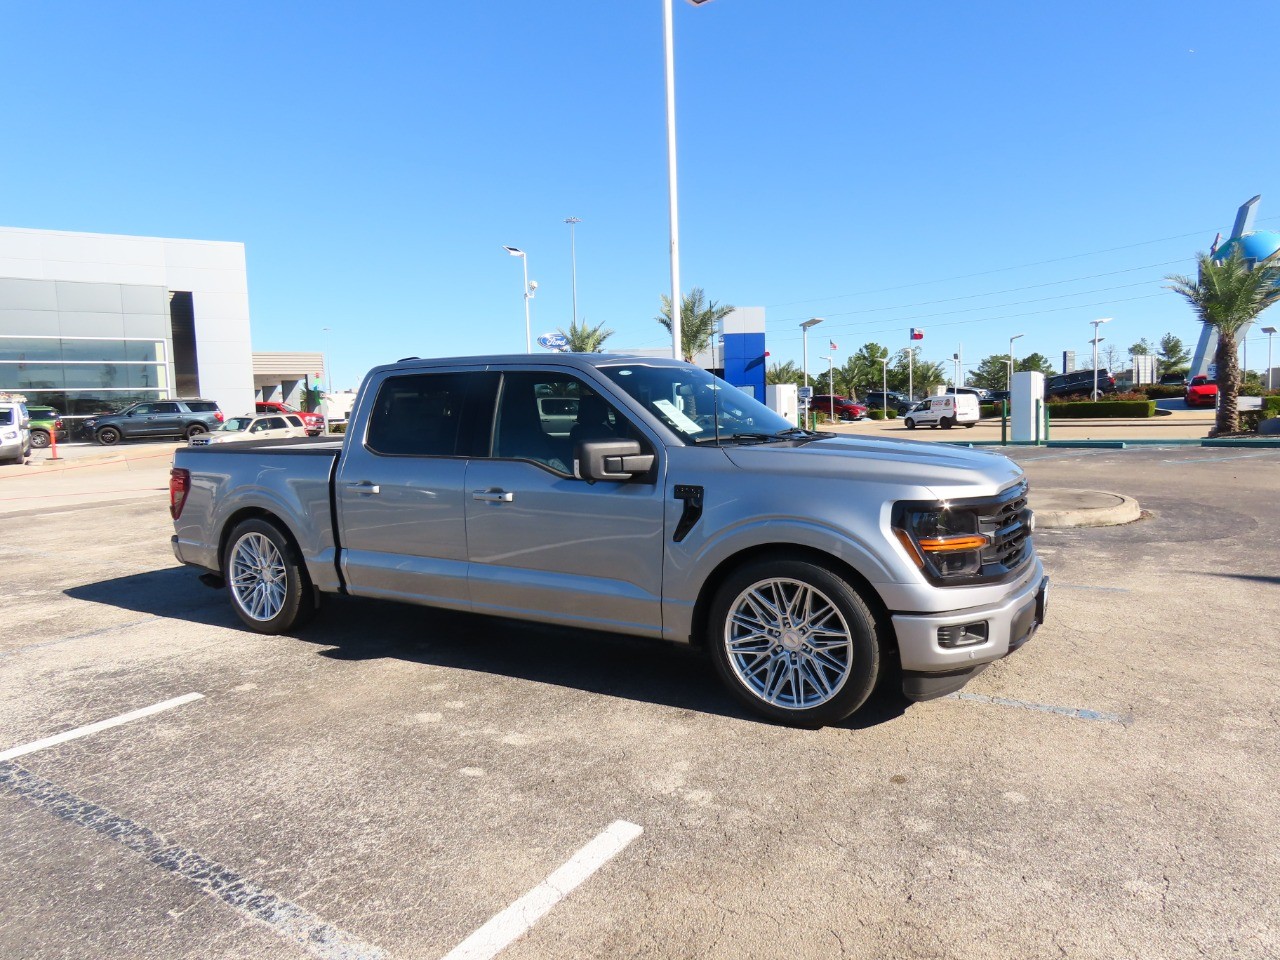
392	778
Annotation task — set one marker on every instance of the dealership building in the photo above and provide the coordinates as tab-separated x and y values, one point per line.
93	322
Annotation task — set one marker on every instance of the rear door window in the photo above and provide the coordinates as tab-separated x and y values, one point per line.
433	415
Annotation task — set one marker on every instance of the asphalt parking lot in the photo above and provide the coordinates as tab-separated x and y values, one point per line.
393	780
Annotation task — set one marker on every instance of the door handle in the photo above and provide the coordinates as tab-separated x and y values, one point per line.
493	496
364	486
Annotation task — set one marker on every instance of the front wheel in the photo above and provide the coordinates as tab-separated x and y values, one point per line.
910	424
794	642
108	436
268	583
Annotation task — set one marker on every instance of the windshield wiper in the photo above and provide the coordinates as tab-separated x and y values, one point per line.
747	437
800	434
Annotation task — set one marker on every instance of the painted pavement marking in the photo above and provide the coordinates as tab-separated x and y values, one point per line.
1077	713
14	752
512	923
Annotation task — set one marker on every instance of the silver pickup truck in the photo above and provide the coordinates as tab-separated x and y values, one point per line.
640	496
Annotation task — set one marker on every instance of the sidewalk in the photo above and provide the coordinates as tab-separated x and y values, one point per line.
88	474
1181	426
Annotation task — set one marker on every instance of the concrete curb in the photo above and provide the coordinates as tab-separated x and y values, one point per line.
1057	509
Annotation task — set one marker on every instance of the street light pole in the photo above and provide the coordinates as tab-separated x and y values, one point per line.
528	295
573	263
1096	341
1270	332
804	334
1009	383
884	384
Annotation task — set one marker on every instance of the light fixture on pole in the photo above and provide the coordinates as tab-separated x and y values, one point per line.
529	288
1270	332
884	384
669	48
1096	341
1017	336
573	263
804	334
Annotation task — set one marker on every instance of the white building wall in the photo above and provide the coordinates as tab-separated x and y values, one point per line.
212	270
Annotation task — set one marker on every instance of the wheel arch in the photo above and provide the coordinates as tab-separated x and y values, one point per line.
258	513
790	551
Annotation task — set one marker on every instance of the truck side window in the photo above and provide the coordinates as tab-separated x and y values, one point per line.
432	415
543	416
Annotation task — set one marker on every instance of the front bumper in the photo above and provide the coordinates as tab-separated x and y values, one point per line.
1010	623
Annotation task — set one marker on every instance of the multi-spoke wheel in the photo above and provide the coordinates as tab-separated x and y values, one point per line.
794	642
266	579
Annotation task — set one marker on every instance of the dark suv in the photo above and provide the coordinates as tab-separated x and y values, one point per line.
1078	382
877	400
155	418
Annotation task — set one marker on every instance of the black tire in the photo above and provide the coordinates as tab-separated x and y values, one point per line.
259	559
195	429
848	666
108	436
39	439
910	424
946	423
970	426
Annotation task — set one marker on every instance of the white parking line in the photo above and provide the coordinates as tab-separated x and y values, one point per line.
515	921
22	751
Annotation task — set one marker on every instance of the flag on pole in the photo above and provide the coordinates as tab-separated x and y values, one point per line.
917	333
832	344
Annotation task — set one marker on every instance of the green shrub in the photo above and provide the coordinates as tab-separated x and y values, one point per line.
891	413
1156	392
338	427
876	413
1249	419
1087	409
988	410
1271	406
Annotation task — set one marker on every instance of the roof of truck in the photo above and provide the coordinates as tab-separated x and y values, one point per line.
579	361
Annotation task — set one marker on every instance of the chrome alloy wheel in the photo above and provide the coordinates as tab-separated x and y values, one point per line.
258	577
788	644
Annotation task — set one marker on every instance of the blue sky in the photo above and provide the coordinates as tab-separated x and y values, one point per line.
973	171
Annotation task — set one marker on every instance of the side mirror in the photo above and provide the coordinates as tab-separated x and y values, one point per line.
610	460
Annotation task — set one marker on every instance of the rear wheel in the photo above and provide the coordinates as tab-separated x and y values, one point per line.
196	429
970	426
794	642
911	424
269	587
947	423
39	439
108	436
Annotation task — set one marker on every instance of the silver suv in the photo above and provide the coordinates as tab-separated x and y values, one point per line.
15	431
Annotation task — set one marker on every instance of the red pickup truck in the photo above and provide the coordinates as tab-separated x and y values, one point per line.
313	421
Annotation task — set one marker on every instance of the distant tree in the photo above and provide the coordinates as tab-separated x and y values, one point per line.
1108	356
786	372
921	376
584	339
1143	348
1173	354
1228	295
698	319
1037	363
864	367
992	372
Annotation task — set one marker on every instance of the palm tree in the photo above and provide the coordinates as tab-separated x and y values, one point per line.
698	319
786	372
584	339
1228	296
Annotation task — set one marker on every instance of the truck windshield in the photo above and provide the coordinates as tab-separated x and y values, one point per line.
698	406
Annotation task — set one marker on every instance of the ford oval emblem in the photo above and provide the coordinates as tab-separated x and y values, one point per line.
554	341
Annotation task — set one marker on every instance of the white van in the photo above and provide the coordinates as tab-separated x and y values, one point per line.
945	411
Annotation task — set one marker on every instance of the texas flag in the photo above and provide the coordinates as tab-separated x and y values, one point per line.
917	333
832	345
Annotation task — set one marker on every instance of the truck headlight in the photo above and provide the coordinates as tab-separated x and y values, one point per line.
944	541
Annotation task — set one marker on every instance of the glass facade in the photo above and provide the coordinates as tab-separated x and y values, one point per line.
81	376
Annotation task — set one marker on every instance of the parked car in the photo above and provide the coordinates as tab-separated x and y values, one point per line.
982	393
1078	382
1202	392
1173	380
877	400
946	411
669	505
269	427
15	431
313	421
998	397
838	408
154	419
46	424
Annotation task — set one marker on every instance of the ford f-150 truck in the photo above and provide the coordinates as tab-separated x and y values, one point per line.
639	496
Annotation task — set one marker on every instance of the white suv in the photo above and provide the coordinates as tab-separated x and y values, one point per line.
15	431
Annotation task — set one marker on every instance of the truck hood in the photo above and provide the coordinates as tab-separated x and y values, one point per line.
948	470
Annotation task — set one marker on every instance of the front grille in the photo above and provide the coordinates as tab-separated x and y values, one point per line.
1007	521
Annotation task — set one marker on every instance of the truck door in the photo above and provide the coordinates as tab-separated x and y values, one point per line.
546	545
400	486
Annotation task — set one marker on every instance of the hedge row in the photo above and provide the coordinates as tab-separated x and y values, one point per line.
1271	406
1128	409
